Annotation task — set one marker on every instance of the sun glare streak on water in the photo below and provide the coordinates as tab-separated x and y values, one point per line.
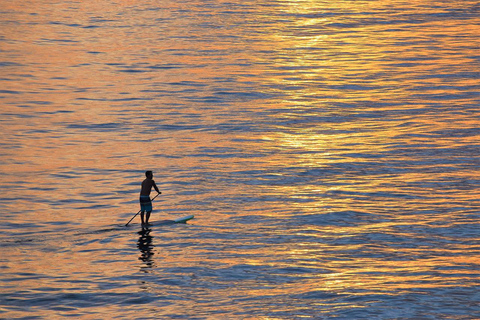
328	150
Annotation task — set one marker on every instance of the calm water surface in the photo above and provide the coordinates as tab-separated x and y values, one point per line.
329	151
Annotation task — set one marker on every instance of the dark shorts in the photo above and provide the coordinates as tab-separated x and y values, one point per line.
145	203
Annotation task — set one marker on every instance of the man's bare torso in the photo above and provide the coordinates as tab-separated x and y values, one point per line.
147	185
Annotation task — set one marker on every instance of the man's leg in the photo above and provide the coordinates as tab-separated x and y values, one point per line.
141	215
148	216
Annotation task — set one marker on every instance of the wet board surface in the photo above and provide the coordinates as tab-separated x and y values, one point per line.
183	219
166	222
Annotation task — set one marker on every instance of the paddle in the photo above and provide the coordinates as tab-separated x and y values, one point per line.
139	211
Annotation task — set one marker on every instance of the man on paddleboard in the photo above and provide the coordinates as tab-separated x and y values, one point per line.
145	202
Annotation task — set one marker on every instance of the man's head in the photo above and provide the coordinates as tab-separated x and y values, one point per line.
149	174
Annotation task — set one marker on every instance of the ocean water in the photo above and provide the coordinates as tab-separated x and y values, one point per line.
329	151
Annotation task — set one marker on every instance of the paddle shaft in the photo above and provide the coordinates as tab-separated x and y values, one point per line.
139	211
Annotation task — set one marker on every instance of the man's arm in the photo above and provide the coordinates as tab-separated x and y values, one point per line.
155	186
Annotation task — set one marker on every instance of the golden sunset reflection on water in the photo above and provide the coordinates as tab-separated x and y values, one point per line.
328	150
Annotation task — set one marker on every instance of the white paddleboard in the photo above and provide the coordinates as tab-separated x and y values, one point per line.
167	222
183	219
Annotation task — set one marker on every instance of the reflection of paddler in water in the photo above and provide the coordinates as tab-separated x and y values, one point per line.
145	202
145	246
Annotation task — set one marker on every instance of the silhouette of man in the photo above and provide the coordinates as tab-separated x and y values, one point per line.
145	202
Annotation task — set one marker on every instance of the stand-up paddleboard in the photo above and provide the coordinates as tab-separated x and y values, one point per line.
178	220
183	219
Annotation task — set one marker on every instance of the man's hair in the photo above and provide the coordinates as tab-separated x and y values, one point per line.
148	173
